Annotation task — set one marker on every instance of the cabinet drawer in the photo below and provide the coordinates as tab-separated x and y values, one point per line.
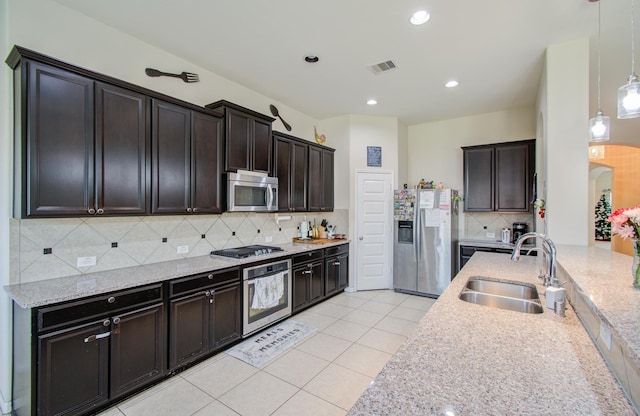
193	283
100	306
306	257
332	251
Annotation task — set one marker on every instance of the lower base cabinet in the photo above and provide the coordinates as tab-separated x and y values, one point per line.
336	266
205	315
308	279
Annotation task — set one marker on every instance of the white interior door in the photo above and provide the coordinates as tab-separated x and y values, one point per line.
374	234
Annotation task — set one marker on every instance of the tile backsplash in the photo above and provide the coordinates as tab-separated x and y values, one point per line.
119	242
478	224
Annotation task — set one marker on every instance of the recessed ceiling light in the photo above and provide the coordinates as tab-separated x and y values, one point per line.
312	59
372	102
451	84
420	17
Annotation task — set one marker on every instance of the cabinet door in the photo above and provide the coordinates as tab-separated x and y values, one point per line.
138	349
301	282
73	369
59	148
226	311
327	180
122	146
261	146
512	178
189	329
315	178
478	179
171	153
299	177
282	169
316	285
238	140
206	163
332	270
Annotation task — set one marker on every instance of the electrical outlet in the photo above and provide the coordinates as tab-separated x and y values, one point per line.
86	261
182	249
491	235
268	239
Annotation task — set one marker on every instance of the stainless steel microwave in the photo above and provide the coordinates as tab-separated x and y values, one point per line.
251	193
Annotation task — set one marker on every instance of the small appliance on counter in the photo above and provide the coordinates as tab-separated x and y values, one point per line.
519	228
506	235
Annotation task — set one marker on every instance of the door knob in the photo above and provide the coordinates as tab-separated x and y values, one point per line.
361	238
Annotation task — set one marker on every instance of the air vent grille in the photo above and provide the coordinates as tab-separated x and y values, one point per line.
382	67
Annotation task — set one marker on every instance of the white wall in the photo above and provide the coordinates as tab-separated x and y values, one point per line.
402	175
566	115
336	132
6	163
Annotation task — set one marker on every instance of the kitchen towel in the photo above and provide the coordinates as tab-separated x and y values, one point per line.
267	291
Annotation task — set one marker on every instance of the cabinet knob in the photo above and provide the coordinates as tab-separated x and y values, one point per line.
111	299
210	276
337	263
189	209
91	211
100	211
195	210
207	293
116	321
106	322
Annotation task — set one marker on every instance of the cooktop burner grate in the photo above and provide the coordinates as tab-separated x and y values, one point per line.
246	251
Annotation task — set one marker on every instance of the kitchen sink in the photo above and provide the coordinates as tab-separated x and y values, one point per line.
502	288
513	296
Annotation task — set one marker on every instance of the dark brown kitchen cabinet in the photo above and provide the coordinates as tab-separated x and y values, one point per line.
321	179
89	352
308	279
83	145
290	167
499	177
205	315
186	160
336	266
247	138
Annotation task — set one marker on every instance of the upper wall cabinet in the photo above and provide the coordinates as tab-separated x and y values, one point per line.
247	138
83	145
290	160
186	160
499	177
320	179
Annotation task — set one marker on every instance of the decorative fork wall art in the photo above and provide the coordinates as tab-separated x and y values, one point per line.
185	76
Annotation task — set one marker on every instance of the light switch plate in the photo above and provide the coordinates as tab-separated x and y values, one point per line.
86	261
268	239
182	249
491	235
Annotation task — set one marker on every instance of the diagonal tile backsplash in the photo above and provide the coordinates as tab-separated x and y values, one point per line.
119	242
478	224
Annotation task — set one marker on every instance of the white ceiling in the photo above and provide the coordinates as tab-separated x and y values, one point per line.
495	48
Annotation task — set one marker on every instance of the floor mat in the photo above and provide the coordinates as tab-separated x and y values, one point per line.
268	344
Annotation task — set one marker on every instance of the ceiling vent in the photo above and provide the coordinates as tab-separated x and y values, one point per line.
382	67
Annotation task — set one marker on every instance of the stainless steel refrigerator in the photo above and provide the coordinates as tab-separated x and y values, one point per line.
425	240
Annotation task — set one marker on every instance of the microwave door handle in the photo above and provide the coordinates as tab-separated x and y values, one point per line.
269	197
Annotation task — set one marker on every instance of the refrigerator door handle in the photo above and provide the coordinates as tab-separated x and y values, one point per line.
416	225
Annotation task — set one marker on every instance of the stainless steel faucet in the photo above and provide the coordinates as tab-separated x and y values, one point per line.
550	277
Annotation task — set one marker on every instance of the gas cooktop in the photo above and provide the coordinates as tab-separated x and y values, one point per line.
246	251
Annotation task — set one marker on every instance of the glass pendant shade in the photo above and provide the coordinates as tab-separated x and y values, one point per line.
599	128
629	98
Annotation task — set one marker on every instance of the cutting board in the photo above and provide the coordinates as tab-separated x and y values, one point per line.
317	240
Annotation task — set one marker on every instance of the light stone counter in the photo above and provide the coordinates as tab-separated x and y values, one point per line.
470	359
33	294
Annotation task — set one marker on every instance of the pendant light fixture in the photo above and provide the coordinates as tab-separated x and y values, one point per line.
629	94
599	125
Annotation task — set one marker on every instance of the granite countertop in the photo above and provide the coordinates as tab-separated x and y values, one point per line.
470	359
492	243
40	293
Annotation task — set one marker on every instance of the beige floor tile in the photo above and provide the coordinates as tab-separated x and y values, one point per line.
363	317
377	307
215	408
407	313
113	411
332	310
303	403
391	297
259	395
324	346
418	302
338	385
148	393
396	325
365	360
296	367
363	294
345	300
180	398
382	340
349	331
313	319
221	376
203	364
